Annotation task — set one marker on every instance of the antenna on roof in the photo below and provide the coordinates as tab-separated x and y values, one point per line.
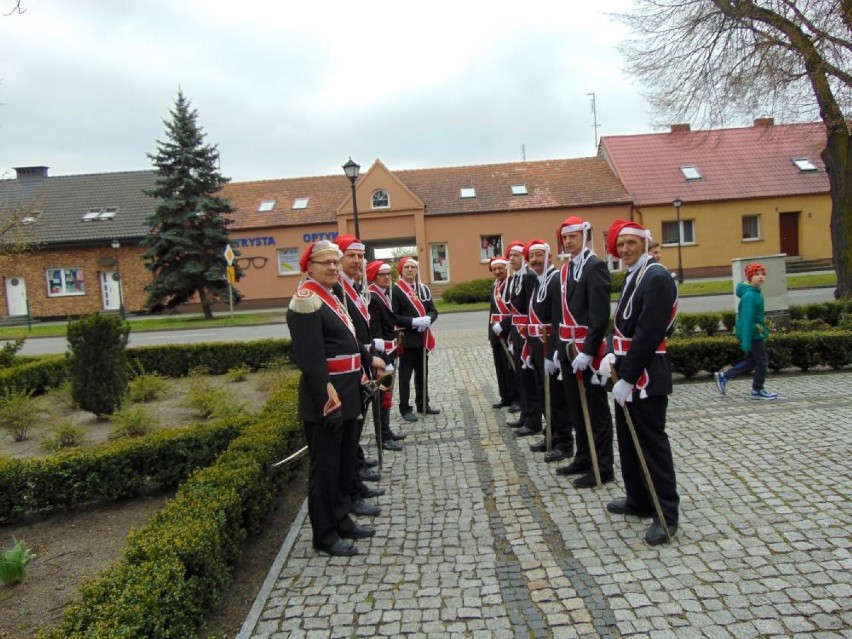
595	124
523	152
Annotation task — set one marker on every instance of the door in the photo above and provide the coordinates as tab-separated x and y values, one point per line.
109	290
16	295
789	233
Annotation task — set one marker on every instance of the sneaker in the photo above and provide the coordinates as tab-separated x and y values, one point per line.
721	382
763	394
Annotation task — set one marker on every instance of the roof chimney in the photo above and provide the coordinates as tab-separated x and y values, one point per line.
680	128
31	172
764	121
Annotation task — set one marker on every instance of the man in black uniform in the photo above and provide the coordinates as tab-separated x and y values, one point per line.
382	330
507	381
580	316
645	313
414	312
327	352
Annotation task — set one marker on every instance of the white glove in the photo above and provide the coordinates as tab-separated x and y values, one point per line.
581	362
427	321
378	345
389	368
605	369
551	367
497	329
511	348
419	324
622	392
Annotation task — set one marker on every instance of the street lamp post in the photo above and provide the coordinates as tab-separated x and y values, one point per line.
115	246
677	204
351	169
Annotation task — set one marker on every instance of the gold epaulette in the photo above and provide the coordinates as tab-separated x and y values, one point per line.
305	301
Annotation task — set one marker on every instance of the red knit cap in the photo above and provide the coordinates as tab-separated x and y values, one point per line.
403	262
622	227
535	245
753	268
514	245
346	242
317	248
497	260
375	267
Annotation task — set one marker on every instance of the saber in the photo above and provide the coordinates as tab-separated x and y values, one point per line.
648	481
508	355
548	428
299	453
584	403
425	405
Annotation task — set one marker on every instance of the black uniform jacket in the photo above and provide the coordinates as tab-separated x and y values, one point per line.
499	289
318	333
542	310
382	321
404	311
644	314
520	287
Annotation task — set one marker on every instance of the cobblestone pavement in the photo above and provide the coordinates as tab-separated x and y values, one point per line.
479	538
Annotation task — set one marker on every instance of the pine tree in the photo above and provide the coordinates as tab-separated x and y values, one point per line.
188	231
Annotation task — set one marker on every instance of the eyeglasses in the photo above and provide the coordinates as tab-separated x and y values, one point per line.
326	263
258	261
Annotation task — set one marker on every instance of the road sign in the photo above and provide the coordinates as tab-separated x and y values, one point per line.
232	275
229	254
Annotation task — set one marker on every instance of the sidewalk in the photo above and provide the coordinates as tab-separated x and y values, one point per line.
479	538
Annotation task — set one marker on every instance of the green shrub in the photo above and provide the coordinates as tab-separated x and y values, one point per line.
709	323
467	292
132	421
177	360
97	362
13	562
147	387
686	325
617	280
238	373
729	319
17	413
9	351
37	376
65	435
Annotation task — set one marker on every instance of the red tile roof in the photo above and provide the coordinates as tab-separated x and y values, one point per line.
550	184
749	162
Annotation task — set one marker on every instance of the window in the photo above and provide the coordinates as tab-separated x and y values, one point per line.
91	214
440	262
467	192
519	189
490	246
65	281
751	227
288	261
102	213
691	172
687	232
805	165
380	199
31	218
301	202
266	206
108	213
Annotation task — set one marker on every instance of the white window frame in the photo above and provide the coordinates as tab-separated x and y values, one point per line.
519	189
805	165
683	224
266	206
445	268
62	276
467	192
758	237
288	260
301	203
377	194
691	173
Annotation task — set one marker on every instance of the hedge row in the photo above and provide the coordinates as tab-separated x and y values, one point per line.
174	571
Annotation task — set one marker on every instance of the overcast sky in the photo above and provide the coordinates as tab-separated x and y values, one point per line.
293	89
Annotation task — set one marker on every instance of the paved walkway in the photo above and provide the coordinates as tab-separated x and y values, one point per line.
479	538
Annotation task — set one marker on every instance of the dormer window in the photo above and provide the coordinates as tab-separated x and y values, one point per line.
380	199
301	202
103	213
519	189
266	206
691	172
108	213
30	218
91	214
467	192
805	165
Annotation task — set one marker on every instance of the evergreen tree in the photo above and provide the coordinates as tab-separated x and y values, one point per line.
188	231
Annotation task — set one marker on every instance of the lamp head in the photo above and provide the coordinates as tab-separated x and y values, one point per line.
351	169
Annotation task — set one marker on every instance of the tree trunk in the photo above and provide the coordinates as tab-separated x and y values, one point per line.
206	305
837	156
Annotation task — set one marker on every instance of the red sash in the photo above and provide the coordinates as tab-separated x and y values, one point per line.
329	300
356	299
569	329
621	344
429	339
375	288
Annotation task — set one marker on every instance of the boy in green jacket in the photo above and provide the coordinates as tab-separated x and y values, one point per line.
752	333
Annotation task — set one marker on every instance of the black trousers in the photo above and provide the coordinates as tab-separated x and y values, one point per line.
563	437
599	416
507	382
649	418
411	362
330	475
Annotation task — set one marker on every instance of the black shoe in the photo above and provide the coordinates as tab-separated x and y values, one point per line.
390	444
499	405
572	469
555	455
515	423
339	548
588	480
364	508
526	431
656	534
358	532
409	416
369	475
539	447
433	411
367	492
397	437
620	507
514	408
371	463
